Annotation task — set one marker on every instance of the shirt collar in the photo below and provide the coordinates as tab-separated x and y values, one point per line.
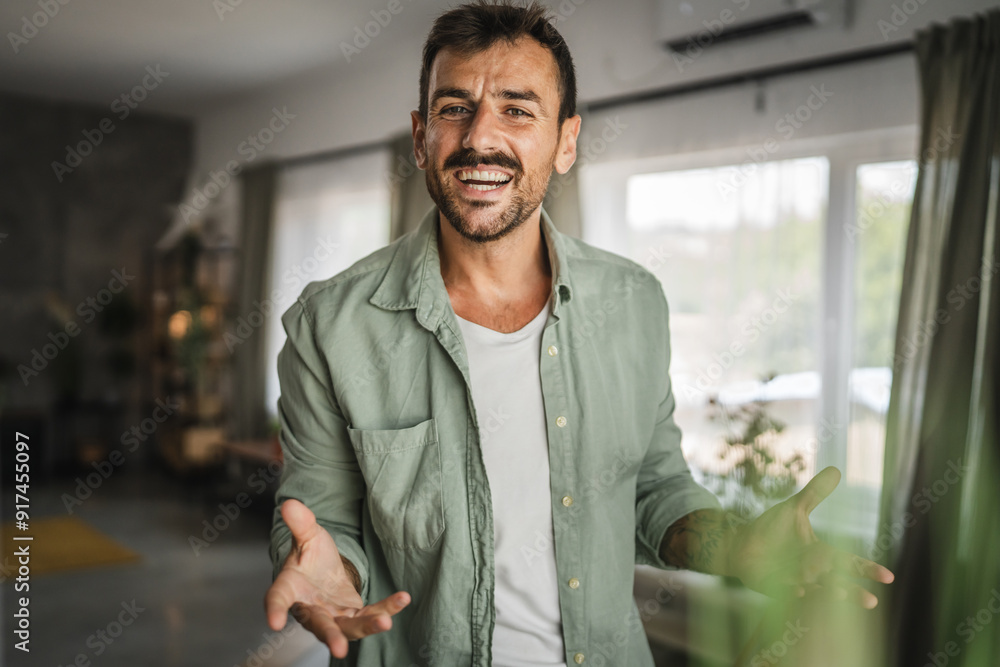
413	279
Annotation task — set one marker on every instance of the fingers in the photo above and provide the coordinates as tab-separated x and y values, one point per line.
862	567
859	595
375	617
300	520
324	626
840	565
390	605
334	626
822	567
362	625
279	599
818	488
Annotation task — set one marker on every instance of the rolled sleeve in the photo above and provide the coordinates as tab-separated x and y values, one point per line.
665	489
320	467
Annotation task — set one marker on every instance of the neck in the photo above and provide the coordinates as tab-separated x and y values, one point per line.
505	270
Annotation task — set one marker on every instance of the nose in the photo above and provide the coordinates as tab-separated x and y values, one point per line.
482	134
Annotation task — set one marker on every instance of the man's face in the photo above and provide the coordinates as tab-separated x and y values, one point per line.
495	112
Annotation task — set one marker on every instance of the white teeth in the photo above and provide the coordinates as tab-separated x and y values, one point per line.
476	175
483	188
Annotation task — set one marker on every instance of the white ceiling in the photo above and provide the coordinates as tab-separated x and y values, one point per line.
95	50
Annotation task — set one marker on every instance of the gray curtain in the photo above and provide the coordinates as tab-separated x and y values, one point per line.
940	505
249	414
410	199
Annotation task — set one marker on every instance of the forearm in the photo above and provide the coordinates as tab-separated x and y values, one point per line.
352	574
702	541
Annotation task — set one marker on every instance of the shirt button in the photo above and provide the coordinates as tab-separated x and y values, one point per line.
578	658
553	350
567	501
560	421
574	583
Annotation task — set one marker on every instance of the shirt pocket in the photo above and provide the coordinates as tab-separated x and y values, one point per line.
402	471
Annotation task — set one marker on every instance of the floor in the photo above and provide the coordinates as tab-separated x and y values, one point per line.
182	608
190	609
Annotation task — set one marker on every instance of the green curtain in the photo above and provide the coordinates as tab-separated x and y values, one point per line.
940	506
249	413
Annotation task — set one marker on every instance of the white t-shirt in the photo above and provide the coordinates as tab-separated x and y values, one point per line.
507	392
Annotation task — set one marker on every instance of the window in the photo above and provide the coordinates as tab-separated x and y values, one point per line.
884	194
327	217
783	281
742	271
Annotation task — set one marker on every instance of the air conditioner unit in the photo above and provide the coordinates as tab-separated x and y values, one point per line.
705	23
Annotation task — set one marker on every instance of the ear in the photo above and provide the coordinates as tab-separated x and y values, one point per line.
419	139
566	150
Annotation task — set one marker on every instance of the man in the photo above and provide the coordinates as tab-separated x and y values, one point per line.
477	420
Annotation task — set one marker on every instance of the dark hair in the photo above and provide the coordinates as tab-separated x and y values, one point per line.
478	25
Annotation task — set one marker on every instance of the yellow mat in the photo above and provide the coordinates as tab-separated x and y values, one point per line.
61	544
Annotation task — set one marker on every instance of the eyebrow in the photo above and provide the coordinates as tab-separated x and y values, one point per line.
505	94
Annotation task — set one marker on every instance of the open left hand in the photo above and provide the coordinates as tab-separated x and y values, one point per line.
778	552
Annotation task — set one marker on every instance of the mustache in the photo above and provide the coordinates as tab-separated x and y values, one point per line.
471	159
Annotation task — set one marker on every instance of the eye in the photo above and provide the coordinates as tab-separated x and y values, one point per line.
520	112
448	110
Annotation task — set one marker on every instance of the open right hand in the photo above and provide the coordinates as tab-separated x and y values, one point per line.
314	585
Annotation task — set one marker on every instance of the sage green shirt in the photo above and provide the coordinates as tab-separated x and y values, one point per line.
381	440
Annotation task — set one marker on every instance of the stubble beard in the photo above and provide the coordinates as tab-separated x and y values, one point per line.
524	201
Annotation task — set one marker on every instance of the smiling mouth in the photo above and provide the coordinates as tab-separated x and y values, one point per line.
483	180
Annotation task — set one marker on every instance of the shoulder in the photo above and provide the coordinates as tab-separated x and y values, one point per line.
602	272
